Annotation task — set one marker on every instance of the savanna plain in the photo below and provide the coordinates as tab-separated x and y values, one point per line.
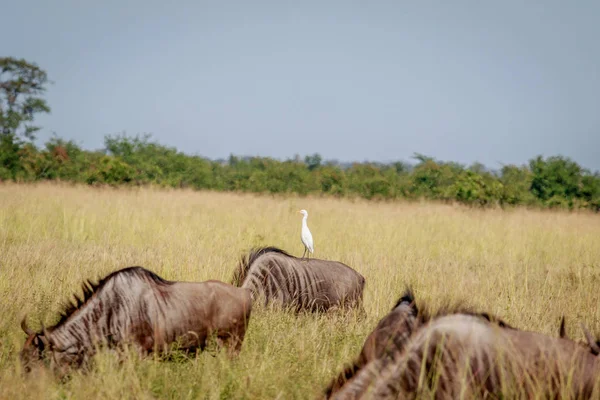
528	267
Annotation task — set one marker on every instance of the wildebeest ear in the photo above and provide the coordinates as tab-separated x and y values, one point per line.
594	346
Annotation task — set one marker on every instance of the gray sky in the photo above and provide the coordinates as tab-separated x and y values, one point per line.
495	82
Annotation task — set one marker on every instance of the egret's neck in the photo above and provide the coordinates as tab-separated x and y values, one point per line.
304	220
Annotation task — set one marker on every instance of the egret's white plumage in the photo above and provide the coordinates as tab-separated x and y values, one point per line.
306	236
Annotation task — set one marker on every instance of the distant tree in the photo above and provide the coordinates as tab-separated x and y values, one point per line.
233	160
401	167
478	168
556	176
313	162
21	84
590	189
516	185
422	158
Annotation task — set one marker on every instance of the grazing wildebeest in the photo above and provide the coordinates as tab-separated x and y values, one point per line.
392	332
461	355
312	285
135	306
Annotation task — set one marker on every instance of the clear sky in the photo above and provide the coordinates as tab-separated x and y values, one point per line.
494	82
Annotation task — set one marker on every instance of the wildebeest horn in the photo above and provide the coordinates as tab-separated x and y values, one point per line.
588	336
561	332
25	328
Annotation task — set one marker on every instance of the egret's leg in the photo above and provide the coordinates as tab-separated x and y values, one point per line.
303	254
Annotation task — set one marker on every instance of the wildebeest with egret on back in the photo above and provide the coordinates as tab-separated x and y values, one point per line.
303	285
135	306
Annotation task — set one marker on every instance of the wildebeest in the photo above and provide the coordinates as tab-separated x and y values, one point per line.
135	306
462	355
392	332
313	285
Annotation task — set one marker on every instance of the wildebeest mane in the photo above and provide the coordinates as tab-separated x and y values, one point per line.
90	288
246	261
424	313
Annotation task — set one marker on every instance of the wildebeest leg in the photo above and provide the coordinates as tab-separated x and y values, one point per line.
232	342
192	341
333	310
361	313
123	350
226	342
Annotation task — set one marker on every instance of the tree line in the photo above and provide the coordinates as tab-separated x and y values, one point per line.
554	182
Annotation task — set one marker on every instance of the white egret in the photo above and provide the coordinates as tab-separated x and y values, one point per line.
306	236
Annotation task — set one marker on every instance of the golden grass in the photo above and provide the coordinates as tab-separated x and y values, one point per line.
529	267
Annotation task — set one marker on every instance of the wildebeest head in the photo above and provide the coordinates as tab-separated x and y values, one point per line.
33	351
39	349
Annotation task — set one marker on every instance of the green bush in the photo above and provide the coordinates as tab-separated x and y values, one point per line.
554	182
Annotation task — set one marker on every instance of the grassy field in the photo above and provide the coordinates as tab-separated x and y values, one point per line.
529	267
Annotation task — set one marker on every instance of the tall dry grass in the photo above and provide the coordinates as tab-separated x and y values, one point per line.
529	267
